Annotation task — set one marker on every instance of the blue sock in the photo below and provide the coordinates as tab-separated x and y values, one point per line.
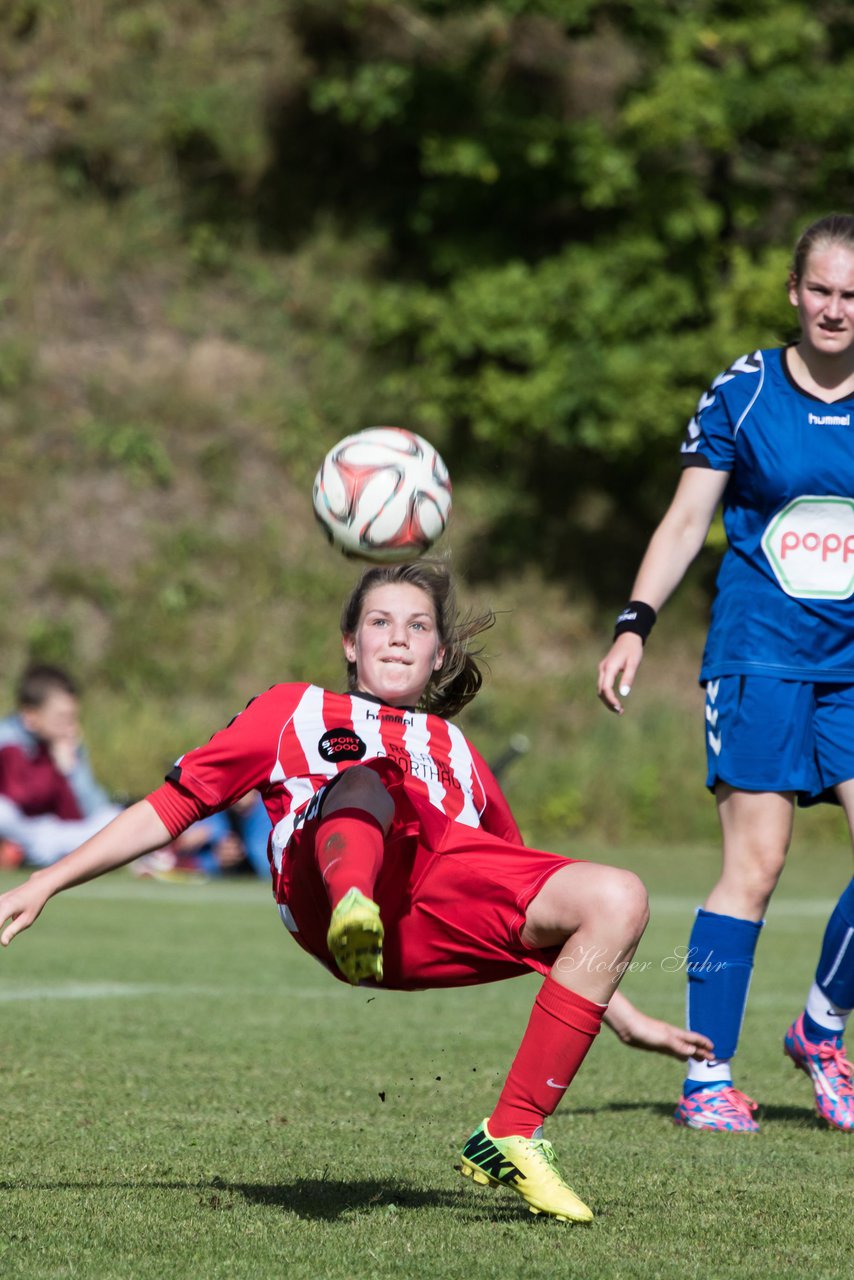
835	971
719	966
834	975
815	1033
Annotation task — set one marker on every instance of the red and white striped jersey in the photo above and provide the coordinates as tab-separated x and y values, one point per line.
291	740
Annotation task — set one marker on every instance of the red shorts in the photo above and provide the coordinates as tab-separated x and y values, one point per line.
452	898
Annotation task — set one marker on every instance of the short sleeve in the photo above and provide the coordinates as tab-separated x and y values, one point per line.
711	433
239	758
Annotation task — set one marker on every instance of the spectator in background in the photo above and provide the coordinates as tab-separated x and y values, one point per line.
249	827
49	799
231	841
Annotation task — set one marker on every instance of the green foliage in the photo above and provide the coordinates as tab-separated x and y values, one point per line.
376	94
590	214
51	641
130	446
15	365
534	229
558	351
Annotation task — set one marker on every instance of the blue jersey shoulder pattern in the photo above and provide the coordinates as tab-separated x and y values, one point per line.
710	434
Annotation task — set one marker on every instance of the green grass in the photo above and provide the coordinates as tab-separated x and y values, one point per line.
186	1094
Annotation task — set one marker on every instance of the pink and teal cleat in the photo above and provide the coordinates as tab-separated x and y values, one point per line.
719	1108
830	1071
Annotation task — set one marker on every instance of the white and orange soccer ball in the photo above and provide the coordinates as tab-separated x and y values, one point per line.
383	494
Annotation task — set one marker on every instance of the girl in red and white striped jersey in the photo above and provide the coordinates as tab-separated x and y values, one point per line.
396	860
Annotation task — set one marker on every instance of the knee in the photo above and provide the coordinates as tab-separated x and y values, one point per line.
614	899
360	788
765	866
753	876
623	897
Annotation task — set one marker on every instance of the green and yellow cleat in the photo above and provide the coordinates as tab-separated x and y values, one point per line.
355	937
527	1166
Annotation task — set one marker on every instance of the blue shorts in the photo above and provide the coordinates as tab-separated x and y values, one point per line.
764	734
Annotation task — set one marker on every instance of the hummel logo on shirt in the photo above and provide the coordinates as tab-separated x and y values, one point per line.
829	419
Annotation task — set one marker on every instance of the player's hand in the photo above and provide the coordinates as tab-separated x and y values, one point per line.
640	1031
65	751
618	669
20	907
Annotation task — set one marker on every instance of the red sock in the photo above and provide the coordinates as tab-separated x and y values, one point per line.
561	1029
349	850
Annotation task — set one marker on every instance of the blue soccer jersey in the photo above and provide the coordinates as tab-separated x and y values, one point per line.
785	599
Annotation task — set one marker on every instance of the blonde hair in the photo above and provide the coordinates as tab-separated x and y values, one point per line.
459	678
835	228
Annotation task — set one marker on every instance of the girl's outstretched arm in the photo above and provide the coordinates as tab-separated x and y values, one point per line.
135	831
640	1031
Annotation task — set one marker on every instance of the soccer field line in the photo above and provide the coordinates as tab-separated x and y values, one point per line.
13	991
32	991
219	893
208	893
780	908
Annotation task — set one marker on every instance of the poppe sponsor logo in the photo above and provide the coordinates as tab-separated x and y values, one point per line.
810	547
341	744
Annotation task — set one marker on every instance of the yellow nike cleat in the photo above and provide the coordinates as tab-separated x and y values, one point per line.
355	937
527	1166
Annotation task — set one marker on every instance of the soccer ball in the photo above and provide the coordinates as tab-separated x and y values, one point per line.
382	494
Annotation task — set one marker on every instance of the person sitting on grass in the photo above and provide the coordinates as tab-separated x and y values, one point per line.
230	842
397	863
50	801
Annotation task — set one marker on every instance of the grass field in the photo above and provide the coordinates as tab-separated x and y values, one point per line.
187	1095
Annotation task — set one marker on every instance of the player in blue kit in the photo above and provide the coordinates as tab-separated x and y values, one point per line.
773	439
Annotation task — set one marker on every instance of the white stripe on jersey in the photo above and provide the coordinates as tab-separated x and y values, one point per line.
287	919
277	773
368	729
436	760
302	790
757	392
463	767
417	741
307	717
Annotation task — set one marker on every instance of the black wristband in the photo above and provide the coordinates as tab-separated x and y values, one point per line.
636	617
